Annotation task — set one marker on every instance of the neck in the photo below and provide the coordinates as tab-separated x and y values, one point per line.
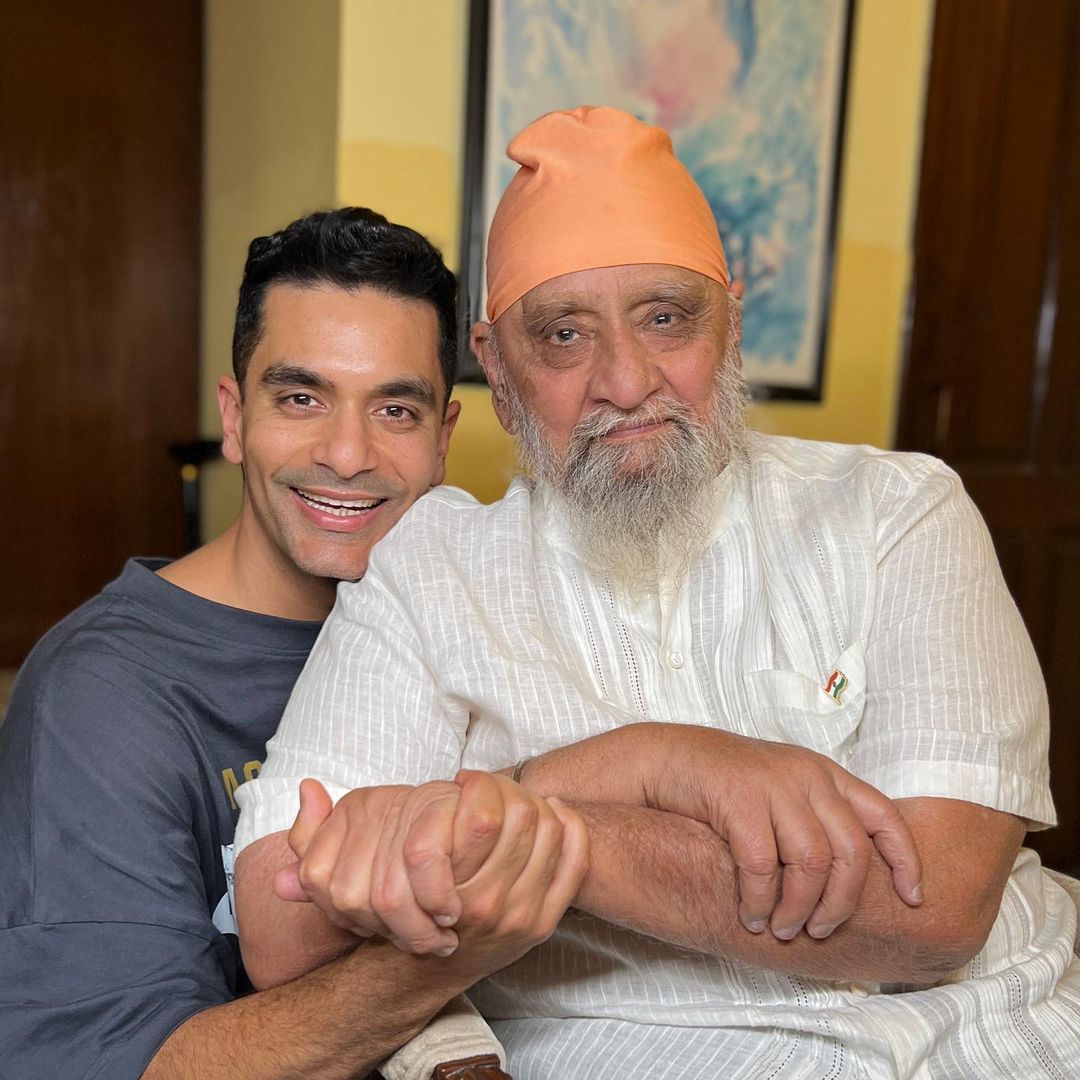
241	569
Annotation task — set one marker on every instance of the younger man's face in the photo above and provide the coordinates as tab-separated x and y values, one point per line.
341	426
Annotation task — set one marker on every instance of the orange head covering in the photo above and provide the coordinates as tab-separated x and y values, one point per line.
596	188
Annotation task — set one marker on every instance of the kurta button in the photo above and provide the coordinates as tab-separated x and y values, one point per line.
675	659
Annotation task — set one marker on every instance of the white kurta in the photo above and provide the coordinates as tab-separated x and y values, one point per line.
477	638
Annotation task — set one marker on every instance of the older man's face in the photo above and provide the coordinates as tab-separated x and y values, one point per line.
624	389
621	342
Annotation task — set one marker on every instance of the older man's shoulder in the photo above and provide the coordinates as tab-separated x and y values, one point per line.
815	459
452	525
445	507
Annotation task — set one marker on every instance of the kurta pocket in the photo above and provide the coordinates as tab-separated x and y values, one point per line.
820	713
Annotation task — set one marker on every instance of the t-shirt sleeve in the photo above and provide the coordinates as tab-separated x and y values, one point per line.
366	710
956	704
106	940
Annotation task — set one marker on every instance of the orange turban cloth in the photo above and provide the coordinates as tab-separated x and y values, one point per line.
596	188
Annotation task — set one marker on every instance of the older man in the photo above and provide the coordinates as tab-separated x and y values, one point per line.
674	622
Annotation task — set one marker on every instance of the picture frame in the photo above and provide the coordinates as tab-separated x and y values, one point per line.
753	94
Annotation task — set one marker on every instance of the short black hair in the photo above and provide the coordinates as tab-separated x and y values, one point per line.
351	247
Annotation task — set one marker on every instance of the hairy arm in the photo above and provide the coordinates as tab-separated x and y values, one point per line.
336	1022
799	828
329	1003
661	866
280	941
674	879
672	876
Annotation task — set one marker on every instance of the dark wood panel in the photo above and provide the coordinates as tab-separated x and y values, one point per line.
1059	846
1058	375
992	137
100	124
993	374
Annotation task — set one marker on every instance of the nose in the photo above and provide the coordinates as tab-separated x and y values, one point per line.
346	443
625	372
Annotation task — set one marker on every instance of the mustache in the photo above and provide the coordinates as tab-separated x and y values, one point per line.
328	481
606	419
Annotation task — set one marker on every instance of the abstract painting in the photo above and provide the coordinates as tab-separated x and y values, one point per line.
752	94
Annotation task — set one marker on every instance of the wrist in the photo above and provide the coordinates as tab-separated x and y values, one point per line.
617	766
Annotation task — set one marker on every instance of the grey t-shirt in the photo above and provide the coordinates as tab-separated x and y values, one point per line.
129	728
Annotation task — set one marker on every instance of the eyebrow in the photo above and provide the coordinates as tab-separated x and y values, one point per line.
682	288
418	390
286	374
546	311
686	292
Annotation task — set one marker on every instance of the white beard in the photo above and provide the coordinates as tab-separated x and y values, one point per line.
641	513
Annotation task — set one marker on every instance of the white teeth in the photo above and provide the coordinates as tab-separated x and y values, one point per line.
338	507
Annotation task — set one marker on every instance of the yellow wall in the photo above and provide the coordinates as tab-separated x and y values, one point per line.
269	154
400	113
357	101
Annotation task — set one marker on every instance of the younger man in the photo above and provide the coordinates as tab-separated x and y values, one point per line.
134	718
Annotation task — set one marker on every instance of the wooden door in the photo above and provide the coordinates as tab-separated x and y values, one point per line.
100	107
993	378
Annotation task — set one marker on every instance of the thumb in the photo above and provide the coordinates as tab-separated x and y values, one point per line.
287	884
315	807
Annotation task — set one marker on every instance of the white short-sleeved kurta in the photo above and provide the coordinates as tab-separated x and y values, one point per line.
478	638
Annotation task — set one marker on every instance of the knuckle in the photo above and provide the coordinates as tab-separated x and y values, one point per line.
421	944
517	922
816	863
884	809
482	913
857	848
419	851
345	901
314	876
388	899
549	831
522	815
758	865
482	824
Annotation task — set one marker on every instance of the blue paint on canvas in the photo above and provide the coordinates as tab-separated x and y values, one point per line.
749	91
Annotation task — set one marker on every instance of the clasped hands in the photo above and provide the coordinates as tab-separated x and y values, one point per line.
482	858
478	860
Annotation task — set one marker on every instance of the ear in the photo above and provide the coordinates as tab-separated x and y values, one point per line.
482	343
453	411
232	420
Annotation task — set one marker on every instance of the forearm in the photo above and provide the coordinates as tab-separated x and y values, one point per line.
280	940
583	772
674	879
335	1023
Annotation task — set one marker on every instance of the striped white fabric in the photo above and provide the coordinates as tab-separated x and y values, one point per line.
478	638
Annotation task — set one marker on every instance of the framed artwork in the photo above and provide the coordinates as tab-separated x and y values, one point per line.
752	93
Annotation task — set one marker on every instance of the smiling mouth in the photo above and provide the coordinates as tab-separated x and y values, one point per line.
338	507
